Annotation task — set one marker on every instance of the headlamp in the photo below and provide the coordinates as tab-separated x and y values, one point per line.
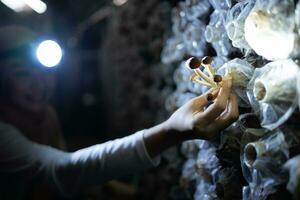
49	53
46	53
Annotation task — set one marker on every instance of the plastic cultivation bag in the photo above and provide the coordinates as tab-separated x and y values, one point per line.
235	22
174	50
269	29
193	38
221	5
272	92
241	72
214	33
263	160
293	166
197	9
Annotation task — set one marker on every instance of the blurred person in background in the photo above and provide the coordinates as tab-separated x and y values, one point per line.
24	93
32	149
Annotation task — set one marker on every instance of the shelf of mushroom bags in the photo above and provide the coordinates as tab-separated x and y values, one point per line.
255	43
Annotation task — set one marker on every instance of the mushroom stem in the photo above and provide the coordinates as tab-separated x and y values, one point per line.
202	82
206	62
210	70
194	78
205	78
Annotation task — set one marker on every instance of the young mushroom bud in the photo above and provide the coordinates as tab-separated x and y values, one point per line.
210	97
217	78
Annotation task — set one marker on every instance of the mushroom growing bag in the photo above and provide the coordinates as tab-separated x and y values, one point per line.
272	92
235	22
269	29
241	72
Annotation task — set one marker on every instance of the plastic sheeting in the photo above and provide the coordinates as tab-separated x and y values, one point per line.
272	92
294	181
246	160
201	166
235	22
241	72
221	5
195	42
269	29
214	33
262	163
174	50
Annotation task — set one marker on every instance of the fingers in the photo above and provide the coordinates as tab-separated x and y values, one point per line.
229	116
212	94
220	103
232	110
200	102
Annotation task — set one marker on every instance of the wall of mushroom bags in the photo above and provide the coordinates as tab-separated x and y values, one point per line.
256	43
133	77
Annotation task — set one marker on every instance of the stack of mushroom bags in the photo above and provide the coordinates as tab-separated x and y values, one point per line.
256	44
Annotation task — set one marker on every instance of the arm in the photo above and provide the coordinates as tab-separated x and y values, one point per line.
70	172
93	165
193	121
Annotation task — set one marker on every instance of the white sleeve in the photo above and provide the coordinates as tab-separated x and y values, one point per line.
70	172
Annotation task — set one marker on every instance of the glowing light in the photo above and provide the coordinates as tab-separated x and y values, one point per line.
36	5
49	53
119	2
15	5
25	5
266	40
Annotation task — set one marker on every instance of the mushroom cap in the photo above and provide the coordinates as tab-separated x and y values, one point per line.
207	60
193	63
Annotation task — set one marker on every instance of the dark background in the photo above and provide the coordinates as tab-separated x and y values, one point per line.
110	82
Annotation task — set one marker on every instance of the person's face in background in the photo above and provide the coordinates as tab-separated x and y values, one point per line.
27	87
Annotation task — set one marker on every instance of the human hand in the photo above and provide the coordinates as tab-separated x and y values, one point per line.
207	115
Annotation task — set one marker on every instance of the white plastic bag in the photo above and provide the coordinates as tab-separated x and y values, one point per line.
181	77
235	22
221	5
214	33
262	164
293	166
266	153
193	39
190	148
269	29
197	9
241	72
174	50
272	92
249	123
